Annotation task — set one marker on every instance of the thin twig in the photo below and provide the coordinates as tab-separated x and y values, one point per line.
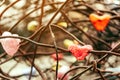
9	6
3	1
36	67
69	34
40	22
56	49
34	42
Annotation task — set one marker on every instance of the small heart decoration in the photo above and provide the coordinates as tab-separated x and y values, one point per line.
60	56
99	21
10	45
80	52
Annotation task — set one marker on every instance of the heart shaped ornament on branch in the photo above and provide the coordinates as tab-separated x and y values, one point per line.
99	21
80	52
10	45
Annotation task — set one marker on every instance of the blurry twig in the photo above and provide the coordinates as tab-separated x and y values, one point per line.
69	34
3	1
40	23
9	6
56	49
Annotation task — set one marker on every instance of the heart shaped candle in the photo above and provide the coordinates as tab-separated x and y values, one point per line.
99	21
10	45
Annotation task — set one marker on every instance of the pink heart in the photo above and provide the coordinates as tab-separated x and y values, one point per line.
10	45
80	52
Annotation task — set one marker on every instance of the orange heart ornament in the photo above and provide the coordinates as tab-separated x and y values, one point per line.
99	21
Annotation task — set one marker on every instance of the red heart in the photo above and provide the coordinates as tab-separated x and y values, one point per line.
99	21
60	56
80	52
